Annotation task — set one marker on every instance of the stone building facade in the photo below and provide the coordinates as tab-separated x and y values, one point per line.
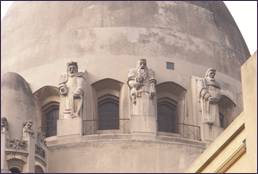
116	86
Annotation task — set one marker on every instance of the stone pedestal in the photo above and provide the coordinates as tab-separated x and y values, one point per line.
210	132
72	126
143	124
144	106
144	116
4	167
30	165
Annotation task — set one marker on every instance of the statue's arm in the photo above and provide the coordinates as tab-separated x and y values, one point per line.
204	92
63	90
153	83
131	79
79	92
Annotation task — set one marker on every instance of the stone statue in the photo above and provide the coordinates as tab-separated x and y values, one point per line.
4	124
27	128
209	97
141	82
71	88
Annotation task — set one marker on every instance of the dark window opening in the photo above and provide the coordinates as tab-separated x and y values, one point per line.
38	169
51	115
226	110
170	65
15	170
108	112
167	116
222	120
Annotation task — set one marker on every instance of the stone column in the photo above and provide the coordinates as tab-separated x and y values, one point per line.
29	137
4	135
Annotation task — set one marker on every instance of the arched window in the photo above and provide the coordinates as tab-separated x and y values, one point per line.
171	107
226	111
167	115
108	115
38	169
15	170
50	115
16	164
47	99
108	112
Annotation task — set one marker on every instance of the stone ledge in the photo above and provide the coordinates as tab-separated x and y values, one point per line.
76	140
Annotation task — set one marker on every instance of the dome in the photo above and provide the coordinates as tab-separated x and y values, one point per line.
203	34
17	103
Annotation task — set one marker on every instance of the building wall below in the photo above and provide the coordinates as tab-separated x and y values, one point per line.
121	153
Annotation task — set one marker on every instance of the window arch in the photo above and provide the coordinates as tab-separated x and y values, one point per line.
167	115
170	107
47	99
38	169
15	165
108	112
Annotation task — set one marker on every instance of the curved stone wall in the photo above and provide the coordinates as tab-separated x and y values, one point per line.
103	35
121	153
17	103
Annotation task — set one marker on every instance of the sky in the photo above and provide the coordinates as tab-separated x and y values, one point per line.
243	12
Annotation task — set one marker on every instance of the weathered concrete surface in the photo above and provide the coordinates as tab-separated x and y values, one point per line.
54	31
121	153
104	35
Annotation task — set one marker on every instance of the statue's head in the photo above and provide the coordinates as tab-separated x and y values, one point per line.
4	122
72	68
142	64
28	124
210	74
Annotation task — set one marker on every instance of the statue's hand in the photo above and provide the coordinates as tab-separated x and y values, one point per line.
152	90
63	89
206	96
137	86
213	99
77	93
139	79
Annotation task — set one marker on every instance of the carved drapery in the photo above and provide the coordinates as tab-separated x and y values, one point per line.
210	97
141	81
72	89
